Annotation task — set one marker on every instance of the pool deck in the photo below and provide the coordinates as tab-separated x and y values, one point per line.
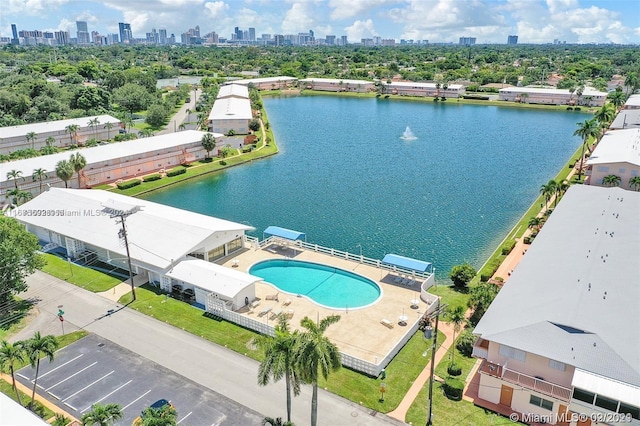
359	332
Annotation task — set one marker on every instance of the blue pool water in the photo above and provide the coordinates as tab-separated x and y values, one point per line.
325	285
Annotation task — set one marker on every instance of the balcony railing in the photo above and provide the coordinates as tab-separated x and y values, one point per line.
536	383
479	352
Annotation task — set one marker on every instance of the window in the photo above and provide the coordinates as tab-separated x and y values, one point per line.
607	403
540	402
235	245
216	253
603	168
583	395
622	171
557	365
626	408
513	353
197	255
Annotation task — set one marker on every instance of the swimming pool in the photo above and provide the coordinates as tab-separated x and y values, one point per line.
326	285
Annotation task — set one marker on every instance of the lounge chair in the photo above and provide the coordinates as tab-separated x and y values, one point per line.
290	313
272	296
274	314
265	311
386	323
397	279
255	303
286	302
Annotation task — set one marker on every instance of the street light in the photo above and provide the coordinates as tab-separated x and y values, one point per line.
439	309
121	211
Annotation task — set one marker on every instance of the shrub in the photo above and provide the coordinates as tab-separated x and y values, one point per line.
454	370
462	274
39	409
508	246
176	172
129	184
151	178
223	163
569	108
453	388
490	268
577	109
465	343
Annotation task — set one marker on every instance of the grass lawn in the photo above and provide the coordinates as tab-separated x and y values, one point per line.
86	278
450	296
14	320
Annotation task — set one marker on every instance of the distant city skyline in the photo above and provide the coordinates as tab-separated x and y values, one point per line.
438	21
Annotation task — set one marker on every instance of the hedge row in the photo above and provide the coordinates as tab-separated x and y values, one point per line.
176	172
129	184
508	246
151	178
490	268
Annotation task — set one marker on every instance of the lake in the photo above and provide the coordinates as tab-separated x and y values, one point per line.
346	178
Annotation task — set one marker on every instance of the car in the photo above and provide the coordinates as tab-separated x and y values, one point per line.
158	405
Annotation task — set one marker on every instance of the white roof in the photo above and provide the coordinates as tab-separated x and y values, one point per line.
574	296
11	413
634	100
604	386
233	90
335	80
264	80
104	152
212	277
157	234
416	84
231	109
53	126
587	91
618	146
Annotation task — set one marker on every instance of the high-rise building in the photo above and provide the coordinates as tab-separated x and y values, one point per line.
162	35
252	34
512	39
467	41
237	33
14	31
125	32
112	38
343	40
330	40
62	37
82	32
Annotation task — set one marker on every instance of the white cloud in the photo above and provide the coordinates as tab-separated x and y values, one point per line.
34	7
216	9
298	18
359	30
347	9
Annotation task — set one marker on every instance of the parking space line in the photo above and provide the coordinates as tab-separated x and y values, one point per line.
88	386
62	365
135	400
23	376
74	374
184	417
55	396
71	406
107	395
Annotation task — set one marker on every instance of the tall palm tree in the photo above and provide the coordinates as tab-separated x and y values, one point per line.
605	115
617	98
39	174
586	130
93	123
631	81
72	129
275	422
208	143
634	183
146	133
561	188
15	175
547	191
38	347
108	126
164	416
50	141
78	162
611	180
279	360
457	318
535	222
10	355
102	415
182	126
31	137
316	355
64	171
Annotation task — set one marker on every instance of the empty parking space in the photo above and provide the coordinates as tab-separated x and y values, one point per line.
97	371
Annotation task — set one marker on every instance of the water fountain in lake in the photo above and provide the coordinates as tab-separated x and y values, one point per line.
408	135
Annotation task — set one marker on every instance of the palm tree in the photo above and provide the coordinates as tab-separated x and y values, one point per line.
10	355
561	188
182	126
634	183
38	347
279	360
93	123
64	171
275	422
72	129
50	141
586	130
524	97
457	318
535	222
78	162
108	126
605	115
23	197
39	174
31	137
316	355
164	416
631	81
617	98
102	415
15	175
146	133
548	191
188	112
611	180
208	143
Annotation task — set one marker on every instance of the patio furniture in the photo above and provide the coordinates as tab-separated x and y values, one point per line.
386	323
274	314
415	303
272	296
265	311
286	302
402	319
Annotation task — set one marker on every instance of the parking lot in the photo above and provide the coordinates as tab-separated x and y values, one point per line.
97	371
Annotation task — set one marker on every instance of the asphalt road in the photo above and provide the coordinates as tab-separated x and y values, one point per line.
97	371
207	364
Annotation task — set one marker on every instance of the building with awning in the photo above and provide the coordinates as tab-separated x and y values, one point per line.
285	233
407	263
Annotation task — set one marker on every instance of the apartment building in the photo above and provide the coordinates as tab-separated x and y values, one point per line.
552	96
618	154
410	88
338	85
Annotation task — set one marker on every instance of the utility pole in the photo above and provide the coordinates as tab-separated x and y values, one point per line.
439	309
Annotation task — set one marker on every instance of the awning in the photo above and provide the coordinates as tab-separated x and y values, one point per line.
606	387
407	263
285	233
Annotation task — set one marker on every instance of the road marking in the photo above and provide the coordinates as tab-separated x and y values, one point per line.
55	396
106	396
74	374
184	417
24	377
62	365
88	386
136	400
71	406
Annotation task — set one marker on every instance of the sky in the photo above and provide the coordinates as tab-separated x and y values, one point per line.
438	21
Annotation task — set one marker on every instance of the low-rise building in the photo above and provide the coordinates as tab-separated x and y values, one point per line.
233	91
268	83
617	153
409	88
230	113
338	85
107	163
100	127
553	96
168	246
559	344
629	115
